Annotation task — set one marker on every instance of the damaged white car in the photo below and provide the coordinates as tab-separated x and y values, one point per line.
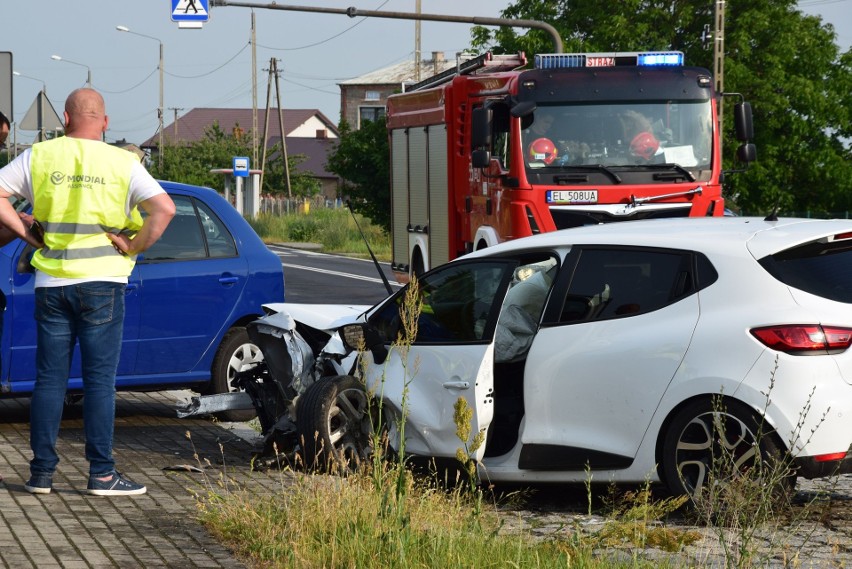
625	352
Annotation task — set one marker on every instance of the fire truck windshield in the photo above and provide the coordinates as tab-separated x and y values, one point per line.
620	136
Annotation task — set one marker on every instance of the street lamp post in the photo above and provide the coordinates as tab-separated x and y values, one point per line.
43	85
88	69
41	135
160	109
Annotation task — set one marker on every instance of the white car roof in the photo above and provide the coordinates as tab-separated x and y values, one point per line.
706	234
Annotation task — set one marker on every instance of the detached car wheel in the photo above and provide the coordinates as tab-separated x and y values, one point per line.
333	423
709	443
236	353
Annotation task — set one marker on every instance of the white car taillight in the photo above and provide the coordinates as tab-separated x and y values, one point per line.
804	339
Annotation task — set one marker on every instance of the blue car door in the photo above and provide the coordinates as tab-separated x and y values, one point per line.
19	327
190	281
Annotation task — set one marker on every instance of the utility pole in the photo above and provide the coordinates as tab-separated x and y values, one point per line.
266	123
176	109
161	112
719	53
273	73
417	57
253	90
281	127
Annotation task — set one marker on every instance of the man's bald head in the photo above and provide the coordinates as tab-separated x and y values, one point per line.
85	114
85	102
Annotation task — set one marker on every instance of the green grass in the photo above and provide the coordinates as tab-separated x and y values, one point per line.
329	521
334	229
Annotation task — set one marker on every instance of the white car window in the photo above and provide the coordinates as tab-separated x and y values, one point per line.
612	283
460	303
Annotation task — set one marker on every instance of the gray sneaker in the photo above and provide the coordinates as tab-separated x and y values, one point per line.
116	485
39	484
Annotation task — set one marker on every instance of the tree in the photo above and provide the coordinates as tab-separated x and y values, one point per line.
191	163
361	158
274	177
785	63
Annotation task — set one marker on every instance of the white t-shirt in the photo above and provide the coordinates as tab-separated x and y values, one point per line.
16	178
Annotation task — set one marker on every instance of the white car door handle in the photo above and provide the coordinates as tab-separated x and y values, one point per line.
457	385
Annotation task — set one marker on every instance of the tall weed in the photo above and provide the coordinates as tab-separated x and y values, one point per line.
748	503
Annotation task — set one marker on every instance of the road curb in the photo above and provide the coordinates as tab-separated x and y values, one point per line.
302	246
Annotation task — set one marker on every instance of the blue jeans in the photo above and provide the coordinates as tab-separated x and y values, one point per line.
93	314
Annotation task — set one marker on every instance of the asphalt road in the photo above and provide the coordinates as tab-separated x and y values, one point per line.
319	278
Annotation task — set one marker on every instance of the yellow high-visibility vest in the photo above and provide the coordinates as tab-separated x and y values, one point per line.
80	190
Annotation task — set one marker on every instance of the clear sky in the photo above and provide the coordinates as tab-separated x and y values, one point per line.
211	67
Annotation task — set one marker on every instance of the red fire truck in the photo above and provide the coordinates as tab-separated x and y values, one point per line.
489	151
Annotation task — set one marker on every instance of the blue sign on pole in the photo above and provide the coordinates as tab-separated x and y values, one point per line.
190	10
241	166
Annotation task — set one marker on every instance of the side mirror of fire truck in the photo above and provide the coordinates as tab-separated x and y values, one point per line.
744	127
523	109
743	124
480	158
481	120
747	152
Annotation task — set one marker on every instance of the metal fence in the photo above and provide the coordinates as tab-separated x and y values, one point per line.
279	205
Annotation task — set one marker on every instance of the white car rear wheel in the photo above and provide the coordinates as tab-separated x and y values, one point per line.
710	443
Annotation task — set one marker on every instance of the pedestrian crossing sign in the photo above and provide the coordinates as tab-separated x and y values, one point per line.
195	12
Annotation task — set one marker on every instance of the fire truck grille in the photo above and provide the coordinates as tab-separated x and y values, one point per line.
564	219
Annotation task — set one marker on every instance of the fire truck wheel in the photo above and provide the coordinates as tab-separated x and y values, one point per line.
235	353
333	424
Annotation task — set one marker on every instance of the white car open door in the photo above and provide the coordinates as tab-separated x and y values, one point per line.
451	357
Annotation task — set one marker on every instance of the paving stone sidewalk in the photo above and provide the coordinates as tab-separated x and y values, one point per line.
70	529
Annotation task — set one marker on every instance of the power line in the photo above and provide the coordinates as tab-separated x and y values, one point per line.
242	49
819	2
308	87
358	23
129	88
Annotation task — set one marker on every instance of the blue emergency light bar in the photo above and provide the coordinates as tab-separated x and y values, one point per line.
657	59
615	59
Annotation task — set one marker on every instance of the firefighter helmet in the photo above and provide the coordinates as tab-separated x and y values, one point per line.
543	150
644	145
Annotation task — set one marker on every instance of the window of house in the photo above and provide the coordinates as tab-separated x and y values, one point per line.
372	96
370	114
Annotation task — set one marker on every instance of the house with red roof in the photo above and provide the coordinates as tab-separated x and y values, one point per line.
306	131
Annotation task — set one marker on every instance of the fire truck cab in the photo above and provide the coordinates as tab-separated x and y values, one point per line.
491	153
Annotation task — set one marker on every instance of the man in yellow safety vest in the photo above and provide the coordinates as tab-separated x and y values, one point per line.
87	230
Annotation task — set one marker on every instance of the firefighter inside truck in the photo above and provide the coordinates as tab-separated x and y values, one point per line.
616	134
